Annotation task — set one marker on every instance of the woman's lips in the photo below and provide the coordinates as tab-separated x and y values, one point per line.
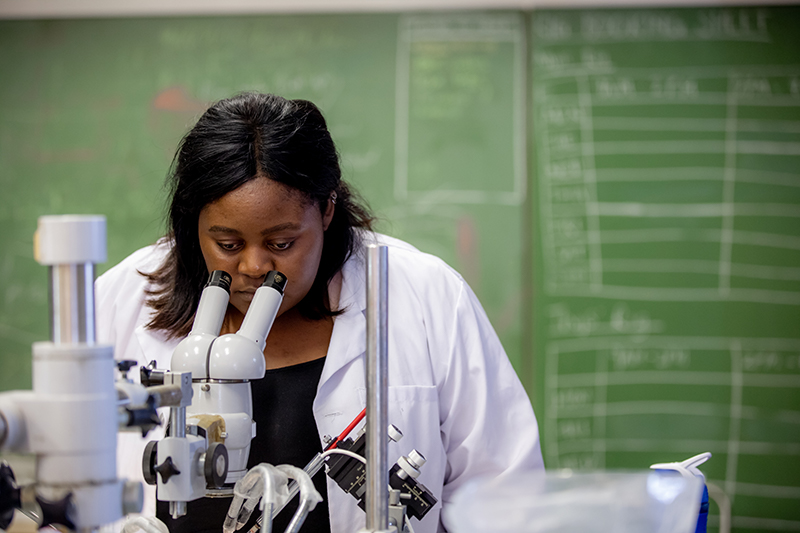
246	295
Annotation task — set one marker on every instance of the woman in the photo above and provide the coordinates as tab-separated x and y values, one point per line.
256	186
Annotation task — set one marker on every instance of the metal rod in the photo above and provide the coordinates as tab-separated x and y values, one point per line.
377	502
177	428
72	304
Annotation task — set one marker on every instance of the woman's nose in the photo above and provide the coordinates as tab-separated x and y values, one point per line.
255	263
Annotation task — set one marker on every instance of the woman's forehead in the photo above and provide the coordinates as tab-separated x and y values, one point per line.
260	202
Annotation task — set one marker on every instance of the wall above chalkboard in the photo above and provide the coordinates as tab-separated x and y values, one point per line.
33	9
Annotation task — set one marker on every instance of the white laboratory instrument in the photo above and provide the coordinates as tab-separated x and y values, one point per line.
208	440
70	418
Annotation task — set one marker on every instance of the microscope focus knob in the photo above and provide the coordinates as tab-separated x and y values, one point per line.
149	462
167	469
215	465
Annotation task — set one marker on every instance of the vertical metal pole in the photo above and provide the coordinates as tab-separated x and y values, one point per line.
177	428
377	503
72	304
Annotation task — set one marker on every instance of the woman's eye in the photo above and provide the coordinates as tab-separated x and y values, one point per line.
281	245
228	246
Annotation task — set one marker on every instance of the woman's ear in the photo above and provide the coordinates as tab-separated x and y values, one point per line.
328	215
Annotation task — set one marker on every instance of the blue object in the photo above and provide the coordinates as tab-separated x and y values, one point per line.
702	519
689	468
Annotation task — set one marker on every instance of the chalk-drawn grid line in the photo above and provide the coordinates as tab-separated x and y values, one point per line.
678	173
790	449
763	524
606	175
676	407
701	147
692	266
544	75
545	192
659	210
587	154
683	35
551	407
673	377
663	124
701	266
679	294
436	29
703	98
767	491
631	236
606	342
735	427
555	381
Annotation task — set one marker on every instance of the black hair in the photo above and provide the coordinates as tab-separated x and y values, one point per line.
237	140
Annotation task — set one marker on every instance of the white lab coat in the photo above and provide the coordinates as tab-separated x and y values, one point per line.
452	390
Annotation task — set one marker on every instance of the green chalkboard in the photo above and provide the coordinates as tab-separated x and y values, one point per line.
667	257
620	187
423	110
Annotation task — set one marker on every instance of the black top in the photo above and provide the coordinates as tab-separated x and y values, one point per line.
286	433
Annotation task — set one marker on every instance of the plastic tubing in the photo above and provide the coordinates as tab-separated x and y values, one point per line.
309	497
247	492
148	524
344	452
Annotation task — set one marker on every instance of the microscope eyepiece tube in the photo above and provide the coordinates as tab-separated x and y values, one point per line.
263	308
213	304
220	278
275	280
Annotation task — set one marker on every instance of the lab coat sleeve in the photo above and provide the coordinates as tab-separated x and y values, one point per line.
119	299
487	423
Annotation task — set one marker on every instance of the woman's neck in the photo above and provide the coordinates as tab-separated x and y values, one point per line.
293	339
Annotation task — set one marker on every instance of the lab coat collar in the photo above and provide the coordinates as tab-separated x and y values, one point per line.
349	337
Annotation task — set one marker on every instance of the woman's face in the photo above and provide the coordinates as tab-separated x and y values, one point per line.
261	226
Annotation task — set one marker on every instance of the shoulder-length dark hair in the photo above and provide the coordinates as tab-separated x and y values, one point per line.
235	141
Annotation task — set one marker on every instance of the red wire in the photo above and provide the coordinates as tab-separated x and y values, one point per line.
348	429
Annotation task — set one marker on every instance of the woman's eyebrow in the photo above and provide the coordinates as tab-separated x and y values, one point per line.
281	227
222	229
271	229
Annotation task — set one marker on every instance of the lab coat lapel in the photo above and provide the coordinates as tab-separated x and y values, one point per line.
349	337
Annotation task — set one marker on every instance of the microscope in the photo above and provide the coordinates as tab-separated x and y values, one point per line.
70	418
208	438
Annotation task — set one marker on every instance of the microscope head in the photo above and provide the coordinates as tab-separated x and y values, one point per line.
236	356
240	355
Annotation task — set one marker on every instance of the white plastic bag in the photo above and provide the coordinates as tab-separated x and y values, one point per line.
588	502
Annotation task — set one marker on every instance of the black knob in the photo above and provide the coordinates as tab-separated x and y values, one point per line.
145	418
125	365
57	512
167	469
9	495
215	466
149	462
